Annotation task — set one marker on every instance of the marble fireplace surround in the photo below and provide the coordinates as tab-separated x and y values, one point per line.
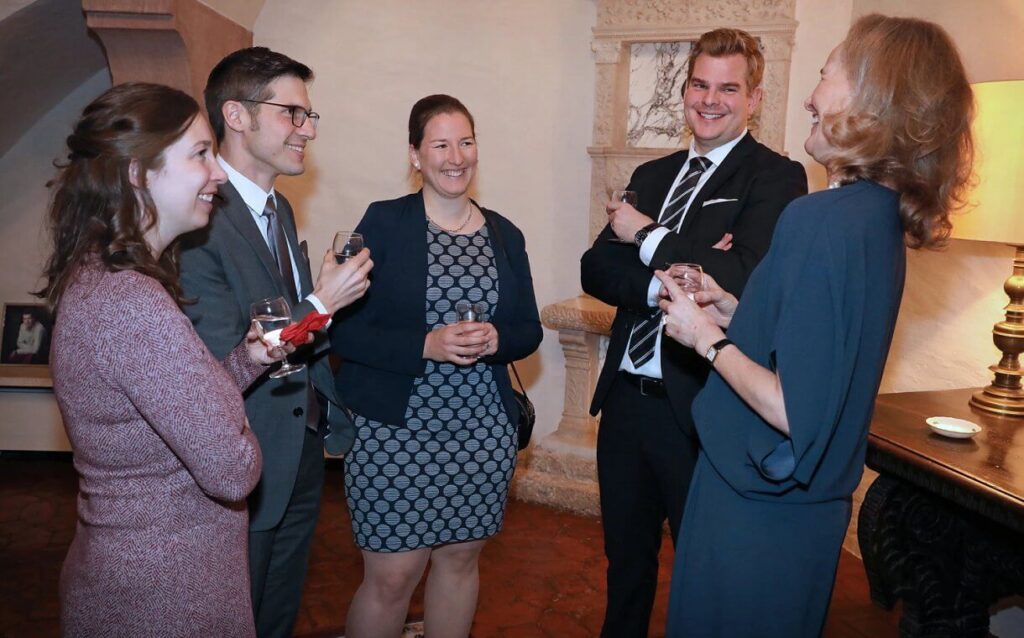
561	468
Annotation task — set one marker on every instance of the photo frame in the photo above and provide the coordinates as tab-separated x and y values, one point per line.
27	329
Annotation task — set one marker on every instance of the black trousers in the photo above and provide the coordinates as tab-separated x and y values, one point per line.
278	556
644	466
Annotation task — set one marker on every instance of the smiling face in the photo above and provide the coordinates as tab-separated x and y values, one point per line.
270	145
831	96
182	189
717	102
447	155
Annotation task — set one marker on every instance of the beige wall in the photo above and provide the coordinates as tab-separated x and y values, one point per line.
525	70
29	420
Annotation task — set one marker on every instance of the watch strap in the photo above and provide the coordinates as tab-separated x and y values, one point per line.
715	348
642	234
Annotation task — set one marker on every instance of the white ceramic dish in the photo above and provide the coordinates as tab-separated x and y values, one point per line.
952	427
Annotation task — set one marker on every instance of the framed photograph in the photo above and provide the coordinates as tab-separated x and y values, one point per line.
26	335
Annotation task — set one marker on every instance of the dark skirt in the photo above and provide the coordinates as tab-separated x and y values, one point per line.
753	568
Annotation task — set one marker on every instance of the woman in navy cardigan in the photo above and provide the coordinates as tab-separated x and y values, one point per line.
428	477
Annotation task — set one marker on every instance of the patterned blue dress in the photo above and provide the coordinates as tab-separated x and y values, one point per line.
443	477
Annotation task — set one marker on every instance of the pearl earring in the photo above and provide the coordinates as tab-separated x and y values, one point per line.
417	165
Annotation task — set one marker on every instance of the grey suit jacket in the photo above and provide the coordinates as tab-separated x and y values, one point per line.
224	268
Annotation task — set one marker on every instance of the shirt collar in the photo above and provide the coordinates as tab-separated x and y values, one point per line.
718	154
253	196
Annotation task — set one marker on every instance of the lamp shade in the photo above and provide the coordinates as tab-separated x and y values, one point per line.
995	209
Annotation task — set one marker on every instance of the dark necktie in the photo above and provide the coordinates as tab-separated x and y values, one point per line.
645	331
673	213
279	249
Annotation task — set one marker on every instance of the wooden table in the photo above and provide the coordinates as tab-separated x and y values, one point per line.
942	527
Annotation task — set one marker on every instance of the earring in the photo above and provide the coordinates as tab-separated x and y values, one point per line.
417	165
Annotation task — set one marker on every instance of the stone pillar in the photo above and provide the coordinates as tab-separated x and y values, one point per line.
561	469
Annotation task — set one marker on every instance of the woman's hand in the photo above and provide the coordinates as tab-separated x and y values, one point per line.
684	320
490	339
265	354
459	343
718	303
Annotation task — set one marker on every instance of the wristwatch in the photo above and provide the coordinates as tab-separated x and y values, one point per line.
715	348
642	234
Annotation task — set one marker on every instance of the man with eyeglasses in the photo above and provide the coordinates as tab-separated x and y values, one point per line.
260	111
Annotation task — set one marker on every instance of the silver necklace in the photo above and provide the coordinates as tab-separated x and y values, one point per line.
451	231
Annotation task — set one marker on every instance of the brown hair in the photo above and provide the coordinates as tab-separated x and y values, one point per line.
722	43
908	124
425	109
96	211
245	75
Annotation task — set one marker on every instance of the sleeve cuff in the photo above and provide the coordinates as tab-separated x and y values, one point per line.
650	245
652	292
320	307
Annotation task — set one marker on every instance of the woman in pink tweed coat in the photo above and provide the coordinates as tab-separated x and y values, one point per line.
161	444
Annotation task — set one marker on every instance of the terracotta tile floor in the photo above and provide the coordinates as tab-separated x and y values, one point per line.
542	576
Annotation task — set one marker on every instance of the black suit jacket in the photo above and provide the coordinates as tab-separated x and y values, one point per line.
380	337
744	196
225	267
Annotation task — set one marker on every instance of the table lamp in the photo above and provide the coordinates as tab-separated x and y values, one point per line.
999	217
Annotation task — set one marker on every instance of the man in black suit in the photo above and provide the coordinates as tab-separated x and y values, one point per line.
715	205
260	111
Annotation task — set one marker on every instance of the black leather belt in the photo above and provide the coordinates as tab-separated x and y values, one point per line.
648	386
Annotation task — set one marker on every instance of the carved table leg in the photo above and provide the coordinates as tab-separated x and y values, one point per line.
947	564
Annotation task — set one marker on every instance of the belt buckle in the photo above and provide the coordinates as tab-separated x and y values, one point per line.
645	383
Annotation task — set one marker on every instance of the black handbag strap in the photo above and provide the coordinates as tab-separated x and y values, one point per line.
493	227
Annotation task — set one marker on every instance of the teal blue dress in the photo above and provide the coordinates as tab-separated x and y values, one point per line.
766	514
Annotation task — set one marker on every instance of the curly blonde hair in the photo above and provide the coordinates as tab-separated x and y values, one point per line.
908	124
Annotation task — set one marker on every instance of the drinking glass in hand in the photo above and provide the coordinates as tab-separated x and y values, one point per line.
469	311
347	244
689	277
628	197
269	317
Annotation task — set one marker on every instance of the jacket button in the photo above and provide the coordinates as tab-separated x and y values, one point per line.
298	411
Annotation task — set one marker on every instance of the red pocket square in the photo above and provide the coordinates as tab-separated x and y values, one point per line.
295	333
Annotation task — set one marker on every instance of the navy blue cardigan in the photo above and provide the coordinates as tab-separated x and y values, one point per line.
380	337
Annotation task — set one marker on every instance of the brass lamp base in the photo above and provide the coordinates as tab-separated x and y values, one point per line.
1005	396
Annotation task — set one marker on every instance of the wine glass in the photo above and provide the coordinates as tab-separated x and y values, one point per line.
690	277
347	244
628	197
269	317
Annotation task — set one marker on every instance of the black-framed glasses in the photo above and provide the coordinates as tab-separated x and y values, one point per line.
298	113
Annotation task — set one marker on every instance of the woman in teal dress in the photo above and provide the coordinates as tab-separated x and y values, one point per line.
783	419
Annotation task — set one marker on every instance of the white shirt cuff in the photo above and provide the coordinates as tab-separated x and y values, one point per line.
652	292
650	245
319	305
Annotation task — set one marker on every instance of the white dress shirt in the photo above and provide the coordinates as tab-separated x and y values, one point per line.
255	199
716	156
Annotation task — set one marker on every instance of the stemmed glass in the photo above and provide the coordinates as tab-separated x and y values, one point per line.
630	198
625	196
347	244
269	317
690	277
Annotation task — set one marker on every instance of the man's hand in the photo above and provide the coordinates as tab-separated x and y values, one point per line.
625	220
338	285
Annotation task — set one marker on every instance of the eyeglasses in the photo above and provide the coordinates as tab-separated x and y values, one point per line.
298	113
